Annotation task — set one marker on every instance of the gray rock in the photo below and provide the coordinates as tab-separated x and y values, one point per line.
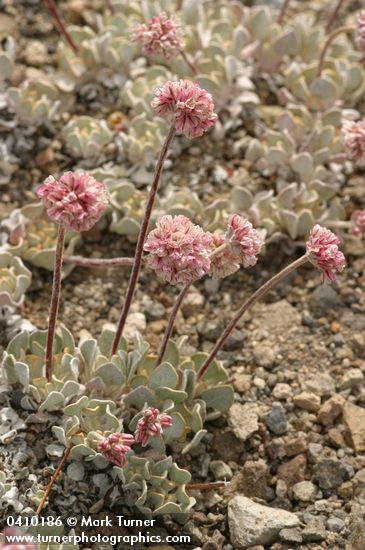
251	523
351	379
323	299
264	355
291	535
335	524
235	340
276	420
327	473
220	469
243	420
314	532
304	491
210	329
321	384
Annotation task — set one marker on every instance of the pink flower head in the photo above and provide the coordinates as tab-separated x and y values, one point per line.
75	200
360	39
115	446
353	135
161	36
225	262
15	539
151	424
179	250
323	252
244	240
358	222
190	105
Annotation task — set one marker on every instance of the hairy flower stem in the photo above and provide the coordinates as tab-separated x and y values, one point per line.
98	262
283	10
170	324
53	479
141	239
52	7
55	299
334	15
189	63
264	289
327	44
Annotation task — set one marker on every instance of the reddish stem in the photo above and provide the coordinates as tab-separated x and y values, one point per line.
141	239
97	262
110	6
53	479
282	13
206	486
264	289
55	299
170	324
327	44
52	7
190	64
334	15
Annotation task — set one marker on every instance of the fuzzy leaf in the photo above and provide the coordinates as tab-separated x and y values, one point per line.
168	393
241	198
139	396
219	398
302	164
165	375
180	476
53	402
177	430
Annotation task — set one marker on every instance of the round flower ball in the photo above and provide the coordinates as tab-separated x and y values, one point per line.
75	200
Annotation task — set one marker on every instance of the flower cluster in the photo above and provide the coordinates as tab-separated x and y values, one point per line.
358	222
179	250
360	38
191	107
76	200
245	241
323	253
151	424
224	261
353	134
161	36
115	447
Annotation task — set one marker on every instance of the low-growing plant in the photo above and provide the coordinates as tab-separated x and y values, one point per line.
114	400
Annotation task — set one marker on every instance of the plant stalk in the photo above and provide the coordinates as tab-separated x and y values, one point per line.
141	239
190	64
284	7
175	309
327	44
334	15
53	479
55	299
110	6
98	262
264	289
206	486
52	7
170	324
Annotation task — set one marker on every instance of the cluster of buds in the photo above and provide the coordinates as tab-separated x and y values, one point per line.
161	36
353	134
358	222
116	446
323	253
181	252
